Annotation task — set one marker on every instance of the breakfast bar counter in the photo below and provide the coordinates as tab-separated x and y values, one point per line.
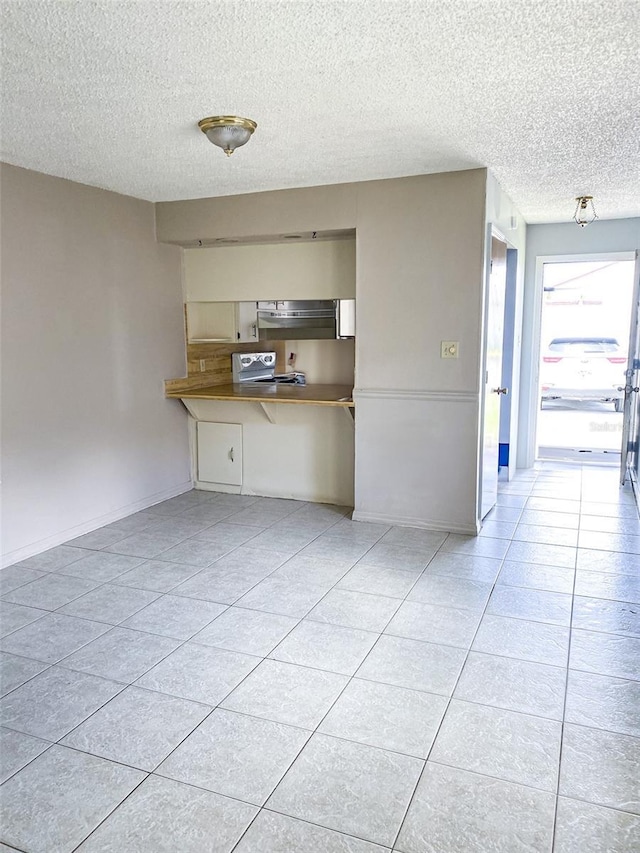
315	394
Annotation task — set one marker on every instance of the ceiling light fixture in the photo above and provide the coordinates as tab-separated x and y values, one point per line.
227	132
585	212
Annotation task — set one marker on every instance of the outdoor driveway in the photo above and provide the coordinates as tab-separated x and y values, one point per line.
580	425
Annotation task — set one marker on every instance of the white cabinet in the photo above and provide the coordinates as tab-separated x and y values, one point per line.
211	322
219	453
222	322
246	322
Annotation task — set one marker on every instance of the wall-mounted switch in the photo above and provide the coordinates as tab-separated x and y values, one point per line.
449	349
203	365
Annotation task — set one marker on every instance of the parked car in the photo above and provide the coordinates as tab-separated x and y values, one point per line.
589	368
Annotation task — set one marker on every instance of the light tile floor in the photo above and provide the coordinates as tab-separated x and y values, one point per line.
224	673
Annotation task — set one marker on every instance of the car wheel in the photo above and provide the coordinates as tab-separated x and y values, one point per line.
618	405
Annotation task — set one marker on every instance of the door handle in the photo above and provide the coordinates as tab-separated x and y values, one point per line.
500	390
231	455
628	389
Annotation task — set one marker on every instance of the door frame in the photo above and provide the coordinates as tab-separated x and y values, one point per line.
631	409
530	367
492	231
511	373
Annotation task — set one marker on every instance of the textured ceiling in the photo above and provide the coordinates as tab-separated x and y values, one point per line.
546	94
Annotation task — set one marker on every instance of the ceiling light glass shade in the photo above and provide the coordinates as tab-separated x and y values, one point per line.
227	132
585	212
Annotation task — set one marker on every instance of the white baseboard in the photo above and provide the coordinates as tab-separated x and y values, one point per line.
423	524
63	536
274	493
217	487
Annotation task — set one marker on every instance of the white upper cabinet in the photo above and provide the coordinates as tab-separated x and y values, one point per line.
247	321
217	322
211	322
321	269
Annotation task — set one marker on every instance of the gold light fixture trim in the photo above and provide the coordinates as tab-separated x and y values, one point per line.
582	215
227	132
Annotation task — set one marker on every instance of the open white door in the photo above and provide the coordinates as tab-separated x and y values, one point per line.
631	413
494	326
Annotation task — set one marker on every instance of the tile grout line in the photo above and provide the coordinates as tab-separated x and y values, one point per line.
564	704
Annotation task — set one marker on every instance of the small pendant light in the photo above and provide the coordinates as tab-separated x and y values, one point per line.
585	212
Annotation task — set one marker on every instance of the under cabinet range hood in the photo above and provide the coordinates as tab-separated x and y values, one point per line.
317	319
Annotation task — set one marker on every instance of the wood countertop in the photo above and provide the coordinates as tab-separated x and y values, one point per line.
317	395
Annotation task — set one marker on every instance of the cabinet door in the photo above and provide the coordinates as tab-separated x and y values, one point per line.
211	321
247	321
220	453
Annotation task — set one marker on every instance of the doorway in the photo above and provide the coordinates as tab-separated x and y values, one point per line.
583	349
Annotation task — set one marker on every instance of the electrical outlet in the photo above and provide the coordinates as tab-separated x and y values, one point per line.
449	349
203	365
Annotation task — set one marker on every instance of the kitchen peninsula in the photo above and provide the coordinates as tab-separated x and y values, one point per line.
288	441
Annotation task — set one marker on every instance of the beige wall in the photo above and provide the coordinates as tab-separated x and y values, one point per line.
310	269
420	252
91	326
324	362
420	259
420	255
275	213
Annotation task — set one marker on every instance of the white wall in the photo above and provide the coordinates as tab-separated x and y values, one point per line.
566	238
91	326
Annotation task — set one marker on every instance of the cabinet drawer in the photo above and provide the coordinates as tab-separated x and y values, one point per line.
220	453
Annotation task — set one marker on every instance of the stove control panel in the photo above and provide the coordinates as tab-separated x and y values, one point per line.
249	366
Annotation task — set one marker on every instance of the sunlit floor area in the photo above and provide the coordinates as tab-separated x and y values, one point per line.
579	425
224	673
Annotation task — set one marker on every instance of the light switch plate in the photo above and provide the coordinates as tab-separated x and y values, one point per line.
449	349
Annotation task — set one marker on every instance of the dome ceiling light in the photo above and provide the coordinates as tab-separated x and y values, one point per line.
227	132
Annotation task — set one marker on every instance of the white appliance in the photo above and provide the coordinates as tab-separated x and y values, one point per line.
259	368
307	319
